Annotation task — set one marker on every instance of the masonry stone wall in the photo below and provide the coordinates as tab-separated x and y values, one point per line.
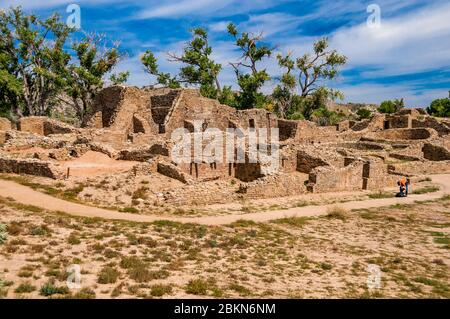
143	153
5	124
306	162
423	168
398	121
32	124
274	186
30	166
376	123
42	125
440	125
172	171
287	129
405	134
331	179
435	153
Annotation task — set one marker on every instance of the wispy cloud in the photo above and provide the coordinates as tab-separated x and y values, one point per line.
182	8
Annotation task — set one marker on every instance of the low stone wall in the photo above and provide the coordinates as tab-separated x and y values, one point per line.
52	126
2	137
330	179
42	125
172	171
405	134
30	167
287	129
5	124
440	125
274	186
202	194
435	153
306	162
145	153
376	123
398	121
422	168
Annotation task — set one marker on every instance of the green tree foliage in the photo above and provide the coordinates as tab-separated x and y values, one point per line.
284	93
119	78
363	113
198	67
314	106
440	107
150	63
32	62
304	74
391	106
323	64
252	81
94	59
36	67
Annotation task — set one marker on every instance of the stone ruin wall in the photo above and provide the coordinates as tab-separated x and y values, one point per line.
42	125
5	124
129	122
30	167
434	152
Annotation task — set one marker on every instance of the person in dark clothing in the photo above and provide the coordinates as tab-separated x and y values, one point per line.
408	181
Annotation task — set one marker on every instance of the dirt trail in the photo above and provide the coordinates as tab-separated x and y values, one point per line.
28	196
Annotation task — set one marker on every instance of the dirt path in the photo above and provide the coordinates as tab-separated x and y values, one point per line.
28	196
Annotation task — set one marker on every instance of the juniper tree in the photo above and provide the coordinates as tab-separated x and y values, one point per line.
198	67
253	80
284	93
32	62
440	107
391	106
308	71
94	58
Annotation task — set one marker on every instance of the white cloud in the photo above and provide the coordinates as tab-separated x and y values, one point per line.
219	26
182	8
376	93
411	43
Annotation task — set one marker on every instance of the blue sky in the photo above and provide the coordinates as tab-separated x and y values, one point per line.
407	56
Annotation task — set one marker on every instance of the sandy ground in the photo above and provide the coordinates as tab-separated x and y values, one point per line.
95	164
26	195
317	257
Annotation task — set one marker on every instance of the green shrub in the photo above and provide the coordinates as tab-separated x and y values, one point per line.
440	107
364	113
73	239
85	293
130	262
108	275
160	290
390	107
50	289
42	230
197	287
25	288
